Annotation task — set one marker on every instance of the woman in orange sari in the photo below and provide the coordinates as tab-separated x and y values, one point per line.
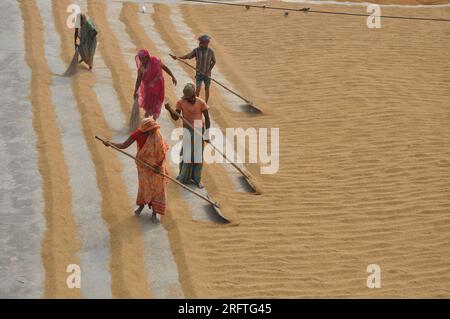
152	149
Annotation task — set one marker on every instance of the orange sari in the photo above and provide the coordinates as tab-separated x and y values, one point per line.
152	186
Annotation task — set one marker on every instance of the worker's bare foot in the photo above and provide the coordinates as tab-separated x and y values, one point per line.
138	211
199	185
154	218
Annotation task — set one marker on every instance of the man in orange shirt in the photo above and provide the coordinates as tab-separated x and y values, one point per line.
195	112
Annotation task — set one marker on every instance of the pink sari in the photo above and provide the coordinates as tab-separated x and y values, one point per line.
151	90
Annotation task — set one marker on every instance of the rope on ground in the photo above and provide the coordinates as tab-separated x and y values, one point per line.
306	10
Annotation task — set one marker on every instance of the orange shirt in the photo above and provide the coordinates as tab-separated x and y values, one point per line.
192	112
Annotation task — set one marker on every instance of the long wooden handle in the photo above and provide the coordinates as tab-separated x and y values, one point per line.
214	80
207	141
160	173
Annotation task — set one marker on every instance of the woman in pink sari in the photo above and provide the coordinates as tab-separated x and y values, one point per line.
149	89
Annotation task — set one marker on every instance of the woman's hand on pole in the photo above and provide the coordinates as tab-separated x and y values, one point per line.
168	108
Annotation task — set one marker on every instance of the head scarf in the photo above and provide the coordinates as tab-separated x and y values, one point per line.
83	19
148	124
141	54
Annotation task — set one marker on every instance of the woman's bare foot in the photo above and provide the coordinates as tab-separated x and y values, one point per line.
138	211
154	218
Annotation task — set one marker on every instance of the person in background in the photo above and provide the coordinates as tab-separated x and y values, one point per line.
150	87
206	60
87	34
